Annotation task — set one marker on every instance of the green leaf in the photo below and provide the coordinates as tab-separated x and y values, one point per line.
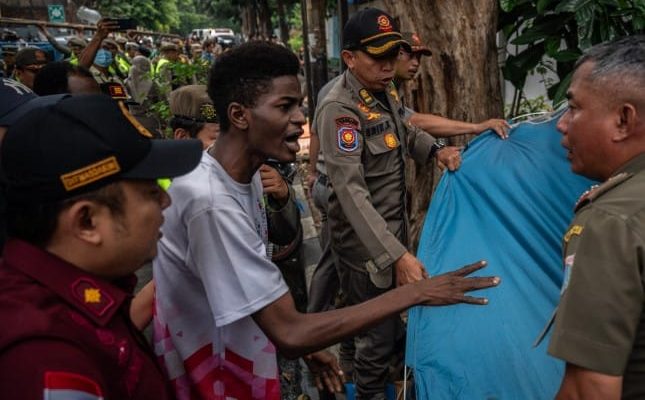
514	75
566	55
543	27
528	58
552	45
507	5
558	92
566	6
542	5
639	23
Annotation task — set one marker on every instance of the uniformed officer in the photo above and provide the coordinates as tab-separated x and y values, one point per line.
407	68
163	69
84	213
365	143
600	322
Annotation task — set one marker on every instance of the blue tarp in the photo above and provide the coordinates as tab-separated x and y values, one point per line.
510	204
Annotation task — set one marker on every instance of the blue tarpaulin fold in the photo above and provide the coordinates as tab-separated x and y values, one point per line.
509	203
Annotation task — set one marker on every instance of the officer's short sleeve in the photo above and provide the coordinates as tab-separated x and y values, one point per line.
34	366
419	144
600	309
407	113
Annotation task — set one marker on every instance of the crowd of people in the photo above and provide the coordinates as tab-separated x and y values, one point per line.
92	191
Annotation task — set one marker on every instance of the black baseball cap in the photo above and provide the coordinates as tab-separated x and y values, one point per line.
31	56
17	99
373	31
83	143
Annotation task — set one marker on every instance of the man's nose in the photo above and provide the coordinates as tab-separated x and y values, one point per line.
562	123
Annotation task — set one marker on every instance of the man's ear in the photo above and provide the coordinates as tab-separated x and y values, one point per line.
82	220
626	123
348	58
181	133
238	116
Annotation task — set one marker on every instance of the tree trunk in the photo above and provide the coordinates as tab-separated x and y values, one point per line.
282	21
460	81
265	19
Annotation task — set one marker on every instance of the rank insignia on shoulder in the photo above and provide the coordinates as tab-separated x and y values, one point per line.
575	230
390	140
92	297
366	97
368	114
394	93
347	139
61	385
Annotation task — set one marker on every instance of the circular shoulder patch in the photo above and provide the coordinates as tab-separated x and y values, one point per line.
347	139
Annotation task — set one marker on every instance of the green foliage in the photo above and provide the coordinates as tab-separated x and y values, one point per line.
527	107
156	15
294	19
562	30
182	74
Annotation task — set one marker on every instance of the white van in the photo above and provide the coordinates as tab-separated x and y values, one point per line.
212	33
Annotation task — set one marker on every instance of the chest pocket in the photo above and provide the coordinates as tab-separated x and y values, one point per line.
383	154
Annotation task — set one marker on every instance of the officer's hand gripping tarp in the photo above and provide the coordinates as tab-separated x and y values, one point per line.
510	204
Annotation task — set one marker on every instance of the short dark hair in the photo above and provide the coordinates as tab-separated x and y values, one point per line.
36	223
244	73
53	78
192	127
620	65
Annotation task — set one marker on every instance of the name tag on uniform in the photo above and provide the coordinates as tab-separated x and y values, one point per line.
377	129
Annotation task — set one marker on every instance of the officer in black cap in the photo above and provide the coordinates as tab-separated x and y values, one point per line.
366	143
84	212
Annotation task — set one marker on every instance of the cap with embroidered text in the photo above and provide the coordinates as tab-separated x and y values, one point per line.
82	143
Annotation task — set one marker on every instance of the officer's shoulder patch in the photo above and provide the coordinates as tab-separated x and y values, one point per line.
347	120
90	295
61	385
347	139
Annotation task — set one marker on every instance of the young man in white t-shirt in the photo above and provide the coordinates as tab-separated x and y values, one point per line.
222	306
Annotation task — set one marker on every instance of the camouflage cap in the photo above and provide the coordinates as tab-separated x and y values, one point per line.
191	102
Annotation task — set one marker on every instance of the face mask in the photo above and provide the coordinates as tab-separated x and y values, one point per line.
103	58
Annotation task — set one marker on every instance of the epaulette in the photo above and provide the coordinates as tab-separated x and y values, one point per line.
597	190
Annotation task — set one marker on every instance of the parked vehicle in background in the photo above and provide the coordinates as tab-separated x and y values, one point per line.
19	36
214	33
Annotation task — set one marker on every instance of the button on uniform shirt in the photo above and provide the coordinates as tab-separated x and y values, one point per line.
67	334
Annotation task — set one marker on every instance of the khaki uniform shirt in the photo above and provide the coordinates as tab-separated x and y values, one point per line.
365	144
600	322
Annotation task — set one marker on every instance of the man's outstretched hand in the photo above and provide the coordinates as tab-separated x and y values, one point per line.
452	287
